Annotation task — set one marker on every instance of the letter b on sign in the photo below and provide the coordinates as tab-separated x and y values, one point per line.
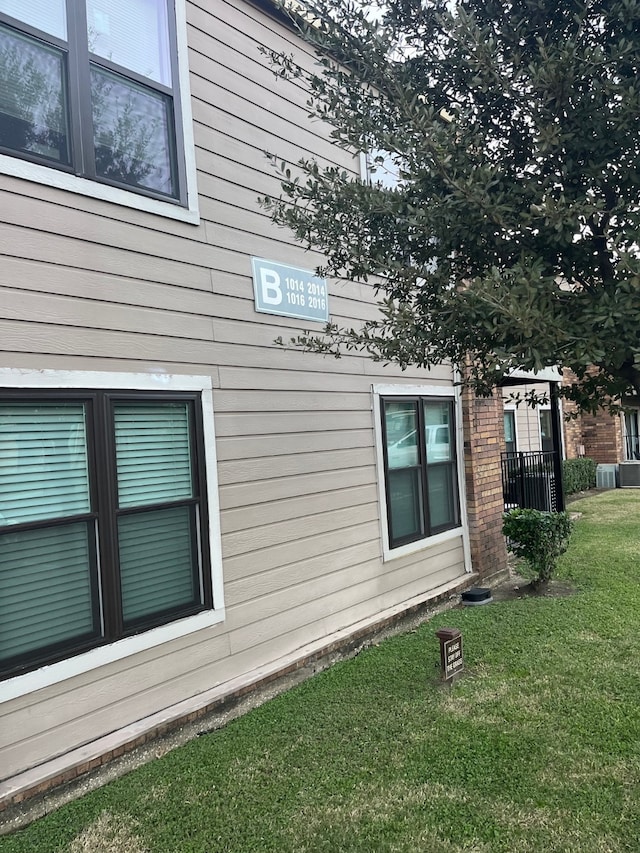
270	286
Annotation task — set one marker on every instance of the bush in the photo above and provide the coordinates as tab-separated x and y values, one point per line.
578	475
539	537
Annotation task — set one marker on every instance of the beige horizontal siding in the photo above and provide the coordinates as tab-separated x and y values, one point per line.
95	206
271	512
266	468
303	548
281	488
87	285
316	442
281	423
527	419
63	248
96	230
36	307
262	536
256	586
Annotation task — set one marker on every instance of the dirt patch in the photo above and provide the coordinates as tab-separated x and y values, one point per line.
517	586
588	493
107	834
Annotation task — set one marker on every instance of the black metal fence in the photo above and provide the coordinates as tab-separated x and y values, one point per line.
529	481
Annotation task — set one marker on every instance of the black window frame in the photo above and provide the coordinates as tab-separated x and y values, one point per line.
423	466
102	520
77	63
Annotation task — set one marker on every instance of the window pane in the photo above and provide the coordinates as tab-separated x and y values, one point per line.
153	452
132	128
510	432
442	508
43	462
405	503
46	15
384	169
46	588
401	422
157	564
438	434
631	431
33	111
133	34
508	427
546	435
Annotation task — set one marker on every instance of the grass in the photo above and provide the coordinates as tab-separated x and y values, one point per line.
536	748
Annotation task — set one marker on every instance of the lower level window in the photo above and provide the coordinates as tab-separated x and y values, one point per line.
420	467
102	520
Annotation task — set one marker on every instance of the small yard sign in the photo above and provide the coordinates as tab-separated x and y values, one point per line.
451	659
289	291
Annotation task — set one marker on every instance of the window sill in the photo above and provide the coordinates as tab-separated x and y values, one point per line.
421	544
46	676
51	177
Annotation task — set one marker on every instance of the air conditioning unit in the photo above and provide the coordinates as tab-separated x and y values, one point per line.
606	476
629	475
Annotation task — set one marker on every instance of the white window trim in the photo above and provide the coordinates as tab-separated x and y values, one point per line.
52	177
511	407
364	167
462	530
538	411
547	408
38	380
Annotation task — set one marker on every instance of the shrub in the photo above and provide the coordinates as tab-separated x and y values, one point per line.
578	475
539	537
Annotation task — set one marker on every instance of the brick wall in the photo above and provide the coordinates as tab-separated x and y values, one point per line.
600	434
483	443
572	431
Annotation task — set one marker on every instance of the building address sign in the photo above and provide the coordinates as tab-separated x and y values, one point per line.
289	291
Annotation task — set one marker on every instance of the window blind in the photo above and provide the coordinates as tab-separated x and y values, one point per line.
133	34
46	15
153	453
45	588
43	462
157	565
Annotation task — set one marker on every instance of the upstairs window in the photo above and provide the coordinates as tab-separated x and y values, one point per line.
381	168
420	468
90	87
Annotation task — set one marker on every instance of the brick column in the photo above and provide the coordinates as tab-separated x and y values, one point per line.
600	435
483	424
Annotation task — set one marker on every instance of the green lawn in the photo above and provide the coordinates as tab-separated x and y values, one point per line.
537	748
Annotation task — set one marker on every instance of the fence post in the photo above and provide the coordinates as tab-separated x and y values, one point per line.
556	432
